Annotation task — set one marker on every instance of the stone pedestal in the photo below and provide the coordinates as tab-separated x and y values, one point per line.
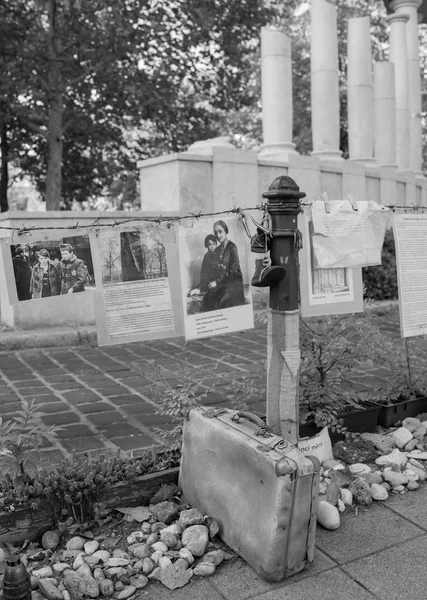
398	56
360	91
276	89
325	105
384	115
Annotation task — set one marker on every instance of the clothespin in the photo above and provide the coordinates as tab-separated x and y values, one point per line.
352	202
325	200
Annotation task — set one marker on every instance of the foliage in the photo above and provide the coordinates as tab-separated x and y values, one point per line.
381	281
175	400
331	347
20	439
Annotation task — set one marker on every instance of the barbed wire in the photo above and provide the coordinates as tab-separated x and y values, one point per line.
169	221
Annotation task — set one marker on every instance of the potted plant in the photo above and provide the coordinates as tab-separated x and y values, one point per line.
331	350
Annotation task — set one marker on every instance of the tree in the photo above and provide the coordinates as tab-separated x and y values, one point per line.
97	71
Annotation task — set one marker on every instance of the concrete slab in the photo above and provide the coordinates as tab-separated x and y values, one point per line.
238	581
331	585
376	529
395	573
411	505
199	589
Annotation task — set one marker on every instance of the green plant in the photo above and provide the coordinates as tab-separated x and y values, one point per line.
20	439
331	348
175	400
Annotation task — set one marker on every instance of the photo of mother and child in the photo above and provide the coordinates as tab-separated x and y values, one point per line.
221	280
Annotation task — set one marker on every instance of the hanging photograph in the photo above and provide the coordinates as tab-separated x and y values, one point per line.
52	267
136	301
215	278
326	291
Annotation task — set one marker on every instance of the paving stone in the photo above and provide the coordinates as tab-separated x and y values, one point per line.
70	385
55	407
372	530
399	575
63	418
29	383
412	506
7	398
120	429
81	396
94	407
127	399
133	442
105	418
83	444
47	398
74	431
113	390
34	391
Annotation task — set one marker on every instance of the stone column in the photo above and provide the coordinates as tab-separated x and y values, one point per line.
360	91
384	115
276	91
325	104
410	8
398	56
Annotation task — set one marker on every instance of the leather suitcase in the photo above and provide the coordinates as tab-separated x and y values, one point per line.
261	490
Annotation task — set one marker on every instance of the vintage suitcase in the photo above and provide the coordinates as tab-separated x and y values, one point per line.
260	489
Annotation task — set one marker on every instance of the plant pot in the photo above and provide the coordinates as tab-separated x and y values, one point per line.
392	413
358	421
26	524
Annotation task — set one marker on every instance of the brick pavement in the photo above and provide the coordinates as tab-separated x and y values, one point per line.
105	398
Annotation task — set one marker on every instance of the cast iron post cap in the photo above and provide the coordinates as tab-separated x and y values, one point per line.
283	186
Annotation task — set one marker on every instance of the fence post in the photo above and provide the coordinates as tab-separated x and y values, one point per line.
283	352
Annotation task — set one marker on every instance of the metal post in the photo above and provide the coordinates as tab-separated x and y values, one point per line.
283	352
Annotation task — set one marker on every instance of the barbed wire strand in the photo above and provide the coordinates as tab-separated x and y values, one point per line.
169	220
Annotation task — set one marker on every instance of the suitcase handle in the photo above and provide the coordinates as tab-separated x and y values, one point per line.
244	414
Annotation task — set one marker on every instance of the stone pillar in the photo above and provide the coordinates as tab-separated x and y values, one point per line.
410	8
384	115
325	104
276	91
360	91
398	56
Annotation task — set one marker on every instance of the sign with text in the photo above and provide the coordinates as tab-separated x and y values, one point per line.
410	234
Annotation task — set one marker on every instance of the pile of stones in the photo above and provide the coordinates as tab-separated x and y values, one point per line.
171	546
399	467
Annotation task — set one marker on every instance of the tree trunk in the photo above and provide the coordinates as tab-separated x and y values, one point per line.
56	110
4	171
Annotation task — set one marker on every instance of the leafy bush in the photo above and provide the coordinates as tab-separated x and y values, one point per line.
380	282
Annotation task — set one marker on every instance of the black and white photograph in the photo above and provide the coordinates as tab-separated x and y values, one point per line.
47	268
214	271
133	255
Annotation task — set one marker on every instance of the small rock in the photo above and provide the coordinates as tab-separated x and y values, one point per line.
155	574
98	574
346	496
164	561
411	445
215	556
147	566
361	491
186	554
399	488
156	527
116	562
127	592
374	477
359	468
174	576
43	572
383	443
84	570
165	511
156	556
418	455
139	581
413	485
213	527
333	493
395	457
79	561
420	432
378	492
106	588
146	527
328	515
152	538
140	550
92	560
49	590
411	423
204	569
91	547
135	537
159	546
401	436
411	475
196	538
394	478
101	554
80	587
170	539
60	567
331	463
422	475
118	586
116	572
340	505
118	553
75	543
190	517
